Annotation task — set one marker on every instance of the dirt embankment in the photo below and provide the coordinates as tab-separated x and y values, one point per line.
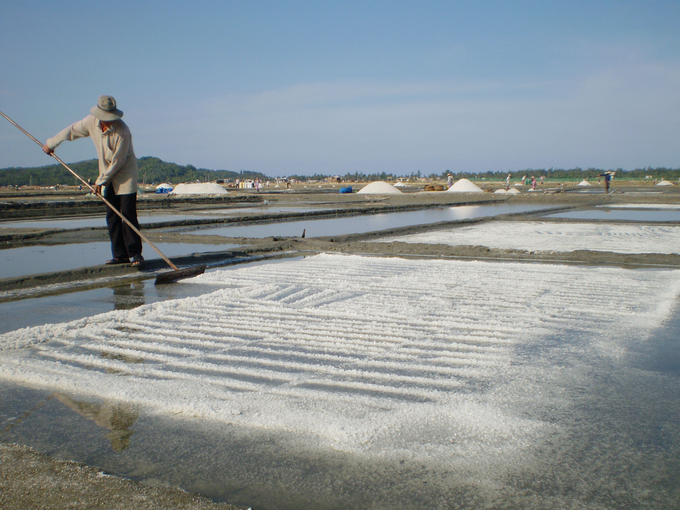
30	480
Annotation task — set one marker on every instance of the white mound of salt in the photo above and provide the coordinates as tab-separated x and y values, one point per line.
514	191
164	185
400	185
464	186
500	191
199	188
664	182
584	183
379	188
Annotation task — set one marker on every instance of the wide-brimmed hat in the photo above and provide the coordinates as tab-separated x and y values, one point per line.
106	109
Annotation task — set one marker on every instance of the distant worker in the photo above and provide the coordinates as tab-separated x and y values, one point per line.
524	178
449	181
533	183
607	179
507	182
117	174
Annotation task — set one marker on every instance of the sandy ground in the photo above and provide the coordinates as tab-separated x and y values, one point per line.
31	480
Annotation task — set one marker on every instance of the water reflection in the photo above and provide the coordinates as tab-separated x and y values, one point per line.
128	296
367	223
146	217
115	417
24	261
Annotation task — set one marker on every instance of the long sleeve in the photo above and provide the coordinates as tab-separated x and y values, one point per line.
77	130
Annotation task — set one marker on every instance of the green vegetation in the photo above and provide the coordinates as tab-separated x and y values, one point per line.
153	170
573	174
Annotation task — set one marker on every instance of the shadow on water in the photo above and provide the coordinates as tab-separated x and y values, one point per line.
662	351
115	417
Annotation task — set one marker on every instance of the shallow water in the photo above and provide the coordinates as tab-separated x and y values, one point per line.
366	223
615	214
146	217
72	306
45	259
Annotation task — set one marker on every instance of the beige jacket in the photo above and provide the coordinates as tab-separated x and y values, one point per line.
117	160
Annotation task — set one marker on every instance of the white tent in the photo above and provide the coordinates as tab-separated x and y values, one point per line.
164	188
464	186
379	188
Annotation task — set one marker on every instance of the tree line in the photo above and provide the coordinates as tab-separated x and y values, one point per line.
154	171
151	170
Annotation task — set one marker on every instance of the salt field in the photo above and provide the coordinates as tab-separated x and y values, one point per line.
660	207
622	214
555	237
366	382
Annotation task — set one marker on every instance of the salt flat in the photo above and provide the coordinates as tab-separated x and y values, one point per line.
367	355
555	237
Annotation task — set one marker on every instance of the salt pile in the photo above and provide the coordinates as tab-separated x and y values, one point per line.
164	185
379	188
464	186
514	191
400	185
584	183
501	190
199	188
664	182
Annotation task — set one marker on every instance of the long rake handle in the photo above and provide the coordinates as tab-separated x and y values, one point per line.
127	222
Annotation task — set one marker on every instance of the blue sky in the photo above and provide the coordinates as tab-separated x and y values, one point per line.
332	87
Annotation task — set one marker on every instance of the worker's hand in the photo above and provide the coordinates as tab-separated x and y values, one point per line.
97	189
47	150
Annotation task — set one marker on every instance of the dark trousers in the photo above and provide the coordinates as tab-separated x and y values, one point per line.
124	241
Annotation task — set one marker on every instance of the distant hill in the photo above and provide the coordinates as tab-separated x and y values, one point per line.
151	170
